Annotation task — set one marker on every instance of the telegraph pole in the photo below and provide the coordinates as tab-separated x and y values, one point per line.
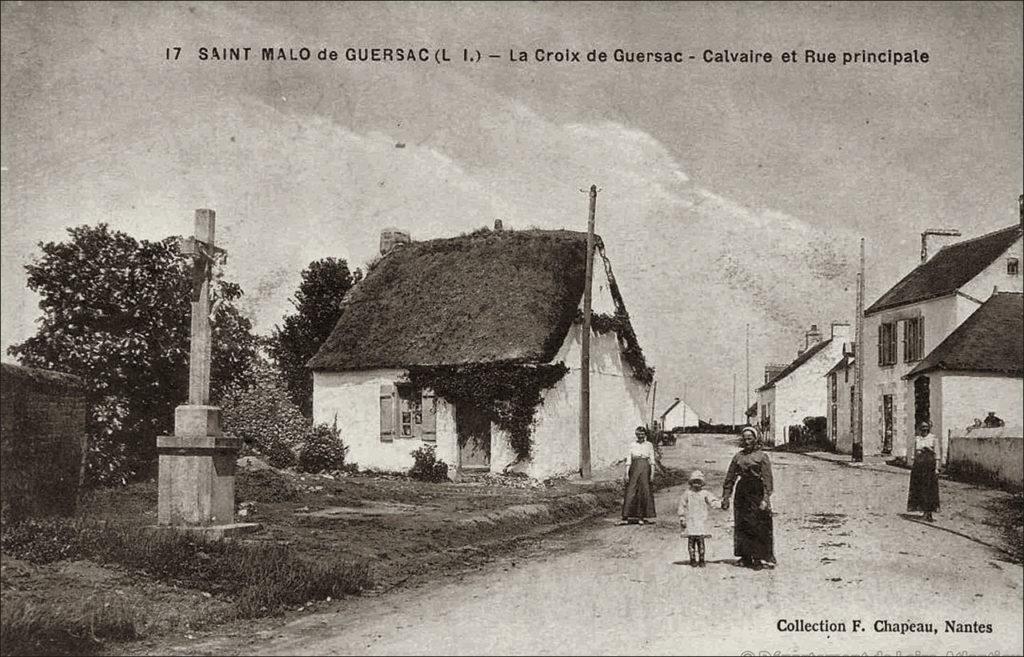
734	400
585	472
747	387
858	366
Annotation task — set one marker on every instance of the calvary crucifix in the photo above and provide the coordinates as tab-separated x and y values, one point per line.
205	254
197	463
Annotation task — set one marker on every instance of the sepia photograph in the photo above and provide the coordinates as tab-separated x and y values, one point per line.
511	328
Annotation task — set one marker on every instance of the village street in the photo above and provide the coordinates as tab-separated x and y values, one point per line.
844	550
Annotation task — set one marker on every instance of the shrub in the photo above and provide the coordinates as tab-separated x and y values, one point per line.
40	541
322	450
264	417
263	486
426	465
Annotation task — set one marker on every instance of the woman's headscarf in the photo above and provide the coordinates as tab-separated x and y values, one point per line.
755	439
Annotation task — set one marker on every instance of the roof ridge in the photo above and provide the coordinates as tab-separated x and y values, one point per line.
976	238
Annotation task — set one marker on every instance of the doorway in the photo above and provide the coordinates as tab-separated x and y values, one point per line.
887	424
473	428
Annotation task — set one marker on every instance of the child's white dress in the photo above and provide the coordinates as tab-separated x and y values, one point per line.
693	506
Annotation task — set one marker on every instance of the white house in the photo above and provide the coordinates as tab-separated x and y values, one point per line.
678	414
978	369
915	316
477	316
795	392
840	383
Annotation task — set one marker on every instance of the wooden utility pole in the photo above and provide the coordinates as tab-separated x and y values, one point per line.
734	400
858	365
585	344
684	406
746	404
654	401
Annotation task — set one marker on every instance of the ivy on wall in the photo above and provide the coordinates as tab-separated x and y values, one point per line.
508	394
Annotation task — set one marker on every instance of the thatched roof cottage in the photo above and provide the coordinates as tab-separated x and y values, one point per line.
472	344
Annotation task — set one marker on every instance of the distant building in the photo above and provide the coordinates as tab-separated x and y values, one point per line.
795	392
679	414
910	320
840	383
978	369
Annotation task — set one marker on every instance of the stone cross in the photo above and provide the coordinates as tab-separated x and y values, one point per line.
197	463
204	254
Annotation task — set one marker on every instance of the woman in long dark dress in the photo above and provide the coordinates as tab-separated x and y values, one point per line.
753	539
924	475
638	504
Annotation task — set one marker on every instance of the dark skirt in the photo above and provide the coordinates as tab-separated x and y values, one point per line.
753	534
639	500
924	483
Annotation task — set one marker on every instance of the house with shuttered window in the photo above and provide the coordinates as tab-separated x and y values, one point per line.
501	297
913	317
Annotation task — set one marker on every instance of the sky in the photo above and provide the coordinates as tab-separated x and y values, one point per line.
730	194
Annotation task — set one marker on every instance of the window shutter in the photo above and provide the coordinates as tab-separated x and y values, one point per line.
906	339
387	412
881	345
429	426
920	337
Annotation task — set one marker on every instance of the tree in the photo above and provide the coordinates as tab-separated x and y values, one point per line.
116	312
317	303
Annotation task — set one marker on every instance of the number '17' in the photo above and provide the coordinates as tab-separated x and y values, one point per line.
177	52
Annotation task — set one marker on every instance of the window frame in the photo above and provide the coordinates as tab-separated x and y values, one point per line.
887	344
1013	266
913	341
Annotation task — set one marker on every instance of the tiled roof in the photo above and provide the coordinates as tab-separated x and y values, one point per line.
844	363
800	360
948	270
991	340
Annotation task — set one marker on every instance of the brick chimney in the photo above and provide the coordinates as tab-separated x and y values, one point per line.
812	337
392	237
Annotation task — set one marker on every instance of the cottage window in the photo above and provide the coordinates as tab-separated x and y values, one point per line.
913	339
1013	266
406	412
887	343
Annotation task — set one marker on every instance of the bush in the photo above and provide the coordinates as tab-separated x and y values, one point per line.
264	417
322	450
263	486
40	541
426	465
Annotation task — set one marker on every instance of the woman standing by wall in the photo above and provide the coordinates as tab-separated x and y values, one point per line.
753	534
638	504
924	476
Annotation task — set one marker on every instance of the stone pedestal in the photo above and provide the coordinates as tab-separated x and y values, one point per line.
197	470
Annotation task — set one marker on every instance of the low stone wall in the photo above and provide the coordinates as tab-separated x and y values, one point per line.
42	441
991	456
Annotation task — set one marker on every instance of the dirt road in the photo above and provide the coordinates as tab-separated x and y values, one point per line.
845	554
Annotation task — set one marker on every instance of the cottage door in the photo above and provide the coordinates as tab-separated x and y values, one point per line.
474	431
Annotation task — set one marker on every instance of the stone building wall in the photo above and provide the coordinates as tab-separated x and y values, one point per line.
42	441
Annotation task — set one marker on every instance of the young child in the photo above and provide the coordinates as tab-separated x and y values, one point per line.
693	516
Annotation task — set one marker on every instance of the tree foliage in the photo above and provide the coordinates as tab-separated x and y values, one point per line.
116	312
317	304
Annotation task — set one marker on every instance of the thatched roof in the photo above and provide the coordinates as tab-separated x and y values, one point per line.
988	341
491	296
950	269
